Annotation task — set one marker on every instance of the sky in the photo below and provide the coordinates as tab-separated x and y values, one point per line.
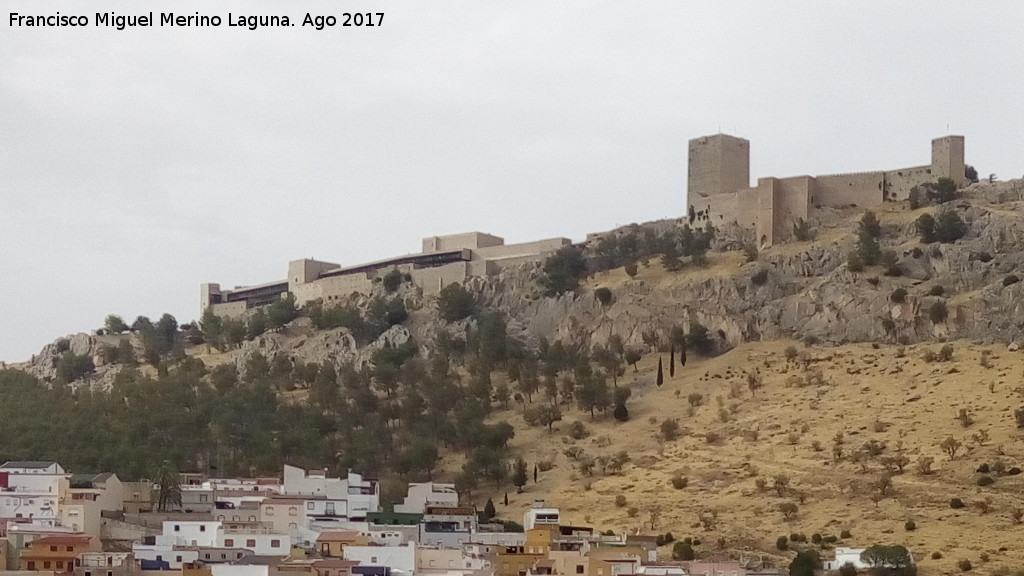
137	164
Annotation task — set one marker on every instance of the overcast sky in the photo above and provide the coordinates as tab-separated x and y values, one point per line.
136	164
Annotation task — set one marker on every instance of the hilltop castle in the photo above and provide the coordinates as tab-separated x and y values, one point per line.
719	188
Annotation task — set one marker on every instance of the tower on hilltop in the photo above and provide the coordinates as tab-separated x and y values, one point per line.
948	159
719	164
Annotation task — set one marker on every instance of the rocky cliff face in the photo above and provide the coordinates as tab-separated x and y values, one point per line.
808	293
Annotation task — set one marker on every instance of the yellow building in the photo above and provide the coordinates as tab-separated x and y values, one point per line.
331	543
56	553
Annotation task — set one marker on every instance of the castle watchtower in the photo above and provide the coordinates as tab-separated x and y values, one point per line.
719	164
948	159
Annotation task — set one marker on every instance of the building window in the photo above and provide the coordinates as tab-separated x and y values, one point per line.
32	566
223	556
250	543
177	558
71	549
202	528
53	548
229	542
309	505
275	543
177	528
60	564
46	565
270	510
373	559
579	568
292	511
203	498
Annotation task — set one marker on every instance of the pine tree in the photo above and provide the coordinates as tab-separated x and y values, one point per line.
506	498
534	477
672	361
519	474
489	511
661	374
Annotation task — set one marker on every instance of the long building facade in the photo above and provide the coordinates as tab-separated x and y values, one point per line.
443	260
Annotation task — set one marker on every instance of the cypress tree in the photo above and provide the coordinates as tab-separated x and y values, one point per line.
661	374
672	361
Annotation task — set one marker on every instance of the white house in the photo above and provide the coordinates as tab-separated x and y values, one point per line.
240	570
539	515
422	495
849	555
30	494
401	558
361	496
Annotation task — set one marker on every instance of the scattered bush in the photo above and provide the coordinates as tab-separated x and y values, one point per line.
816	538
926	228
578	430
760	277
679	482
985	481
890	262
620	501
910	526
936	290
604	295
632	511
964	565
683	550
782	543
669	429
956	503
949	227
848	569
802	231
898	295
854	263
1010	279
750	252
630	269
938	312
392	280
936	555
845	534
455	302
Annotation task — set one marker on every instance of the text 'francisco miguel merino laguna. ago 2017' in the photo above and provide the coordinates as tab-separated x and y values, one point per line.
252	22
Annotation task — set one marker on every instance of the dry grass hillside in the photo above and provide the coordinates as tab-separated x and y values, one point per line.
788	429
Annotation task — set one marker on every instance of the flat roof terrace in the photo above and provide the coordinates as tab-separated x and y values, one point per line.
418	260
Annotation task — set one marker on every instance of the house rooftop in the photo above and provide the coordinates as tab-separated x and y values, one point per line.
28	464
337	536
62	540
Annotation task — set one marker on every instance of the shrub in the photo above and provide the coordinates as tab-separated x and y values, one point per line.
1010	279
845	534
750	252
938	312
604	295
791	353
802	230
956	503
985	481
910	526
936	290
578	430
925	224
620	501
889	260
782	543
760	277
545	465
949	227
898	295
816	538
632	511
964	565
936	555
916	252
392	280
630	269
848	569
984	257
563	270
679	482
854	263
455	302
670	429
683	551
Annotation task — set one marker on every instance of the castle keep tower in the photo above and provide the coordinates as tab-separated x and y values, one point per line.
719	164
948	159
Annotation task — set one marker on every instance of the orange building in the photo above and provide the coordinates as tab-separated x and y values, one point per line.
56	553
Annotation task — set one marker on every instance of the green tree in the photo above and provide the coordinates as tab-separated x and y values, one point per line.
869	225
805	563
392	280
683	550
949	227
71	366
868	249
519	474
632	357
167	486
892	557
698	340
489	511
212	328
455	302
801	231
563	270
925	224
661	374
114	324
